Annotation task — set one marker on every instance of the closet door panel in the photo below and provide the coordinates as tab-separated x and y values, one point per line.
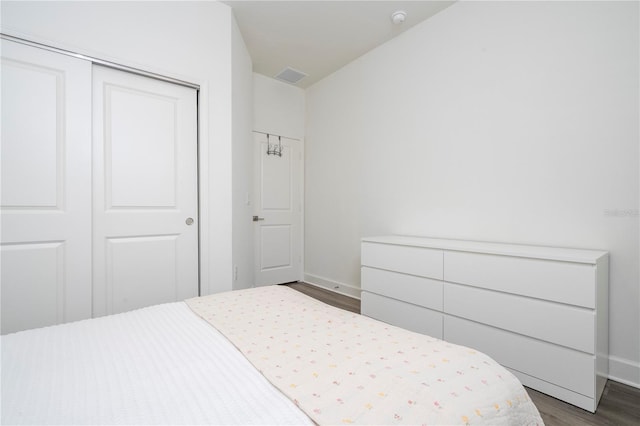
145	192
32	161
46	188
30	270
136	281
140	174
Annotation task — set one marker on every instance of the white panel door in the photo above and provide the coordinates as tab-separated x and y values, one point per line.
45	191
278	216
145	234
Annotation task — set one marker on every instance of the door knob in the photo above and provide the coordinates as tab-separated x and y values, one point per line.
256	218
189	221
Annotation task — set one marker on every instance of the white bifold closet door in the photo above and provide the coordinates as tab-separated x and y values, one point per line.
100	222
45	207
145	203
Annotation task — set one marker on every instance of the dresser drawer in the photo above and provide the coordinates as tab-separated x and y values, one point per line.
402	314
542	312
564	367
565	282
553	322
408	288
409	260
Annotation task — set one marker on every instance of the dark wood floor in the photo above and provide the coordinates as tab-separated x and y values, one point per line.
328	297
619	406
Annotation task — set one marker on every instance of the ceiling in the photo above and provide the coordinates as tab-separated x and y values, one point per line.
319	37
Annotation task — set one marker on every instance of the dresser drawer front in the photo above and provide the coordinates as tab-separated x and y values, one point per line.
408	288
553	322
563	367
402	314
571	283
409	260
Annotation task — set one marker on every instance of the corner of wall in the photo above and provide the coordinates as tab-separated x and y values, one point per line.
242	160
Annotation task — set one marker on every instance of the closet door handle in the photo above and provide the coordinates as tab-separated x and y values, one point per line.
256	218
189	221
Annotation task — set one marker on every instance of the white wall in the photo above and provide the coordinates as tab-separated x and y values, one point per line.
499	121
278	107
191	41
242	98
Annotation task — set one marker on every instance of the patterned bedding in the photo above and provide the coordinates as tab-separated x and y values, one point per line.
344	368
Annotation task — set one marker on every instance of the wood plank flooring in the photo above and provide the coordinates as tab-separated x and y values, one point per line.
328	297
619	406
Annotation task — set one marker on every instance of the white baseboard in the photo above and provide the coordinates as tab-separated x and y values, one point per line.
624	371
335	286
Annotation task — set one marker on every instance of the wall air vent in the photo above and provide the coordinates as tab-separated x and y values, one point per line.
289	75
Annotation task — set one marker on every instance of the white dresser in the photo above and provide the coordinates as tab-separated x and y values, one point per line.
541	312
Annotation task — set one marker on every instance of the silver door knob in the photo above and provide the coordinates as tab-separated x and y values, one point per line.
189	221
256	218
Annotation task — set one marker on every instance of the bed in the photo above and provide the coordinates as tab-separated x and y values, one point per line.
268	355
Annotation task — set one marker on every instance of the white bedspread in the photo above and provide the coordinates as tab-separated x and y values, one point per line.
158	365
